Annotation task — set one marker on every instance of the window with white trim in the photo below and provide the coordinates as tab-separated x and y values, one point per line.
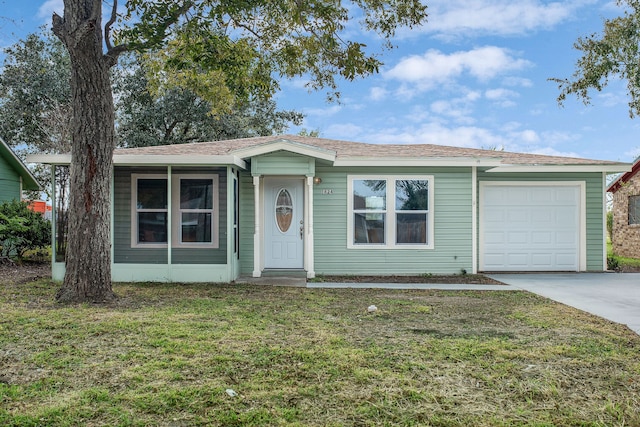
193	219
390	212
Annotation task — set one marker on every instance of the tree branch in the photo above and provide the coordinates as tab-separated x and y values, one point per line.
107	26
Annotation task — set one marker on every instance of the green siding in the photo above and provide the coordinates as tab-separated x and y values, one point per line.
9	182
594	205
124	253
282	163
452	221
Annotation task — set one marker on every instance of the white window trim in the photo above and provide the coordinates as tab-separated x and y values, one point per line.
390	213
174	216
134	211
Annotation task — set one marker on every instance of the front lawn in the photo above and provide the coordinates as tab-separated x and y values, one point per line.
188	355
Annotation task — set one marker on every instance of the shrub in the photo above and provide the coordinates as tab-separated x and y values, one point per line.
22	230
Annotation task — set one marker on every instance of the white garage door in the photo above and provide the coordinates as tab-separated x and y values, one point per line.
529	227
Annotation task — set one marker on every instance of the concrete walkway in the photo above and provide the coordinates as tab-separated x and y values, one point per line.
613	296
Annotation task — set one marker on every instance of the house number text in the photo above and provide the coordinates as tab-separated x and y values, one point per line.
327	191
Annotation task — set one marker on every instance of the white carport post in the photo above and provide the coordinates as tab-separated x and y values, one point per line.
256	227
308	220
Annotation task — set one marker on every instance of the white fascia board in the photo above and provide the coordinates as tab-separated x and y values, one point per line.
404	161
146	160
615	168
285	145
50	159
177	160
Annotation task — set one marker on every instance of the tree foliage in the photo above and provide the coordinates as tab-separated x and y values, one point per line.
177	115
614	54
22	230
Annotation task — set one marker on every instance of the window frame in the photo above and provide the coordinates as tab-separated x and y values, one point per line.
636	198
135	211
390	212
174	211
176	218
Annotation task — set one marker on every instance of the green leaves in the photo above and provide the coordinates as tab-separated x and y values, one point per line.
250	44
613	54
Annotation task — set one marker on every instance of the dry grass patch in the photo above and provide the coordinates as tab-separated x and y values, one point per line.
167	354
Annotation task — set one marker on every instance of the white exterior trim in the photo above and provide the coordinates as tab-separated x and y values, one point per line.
474	220
390	233
285	145
582	226
605	265
257	232
147	159
613	168
308	220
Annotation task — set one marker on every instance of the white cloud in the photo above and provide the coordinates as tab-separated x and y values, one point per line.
323	112
502	97
377	93
48	7
456	18
435	68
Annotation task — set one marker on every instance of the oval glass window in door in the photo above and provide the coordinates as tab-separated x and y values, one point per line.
284	210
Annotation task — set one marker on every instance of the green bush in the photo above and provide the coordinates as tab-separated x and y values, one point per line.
22	230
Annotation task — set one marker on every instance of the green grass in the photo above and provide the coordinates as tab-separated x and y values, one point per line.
165	355
621	263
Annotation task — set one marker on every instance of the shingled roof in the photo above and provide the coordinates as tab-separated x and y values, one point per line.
346	153
346	149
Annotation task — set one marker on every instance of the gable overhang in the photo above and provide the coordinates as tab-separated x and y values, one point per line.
28	181
148	160
602	168
626	177
286	145
416	161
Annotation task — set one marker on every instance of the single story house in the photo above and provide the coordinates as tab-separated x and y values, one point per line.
14	175
626	212
215	211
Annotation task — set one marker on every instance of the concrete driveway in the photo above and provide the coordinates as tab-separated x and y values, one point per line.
613	296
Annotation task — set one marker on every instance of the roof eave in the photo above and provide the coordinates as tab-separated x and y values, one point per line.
29	182
600	168
148	160
286	145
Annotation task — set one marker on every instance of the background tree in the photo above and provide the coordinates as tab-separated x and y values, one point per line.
226	52
178	115
614	54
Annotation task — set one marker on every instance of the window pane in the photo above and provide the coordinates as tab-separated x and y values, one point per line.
411	228
152	194
152	227
412	195
370	194
634	209
196	227
196	194
284	210
368	228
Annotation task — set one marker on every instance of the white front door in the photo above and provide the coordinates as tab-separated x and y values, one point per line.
283	223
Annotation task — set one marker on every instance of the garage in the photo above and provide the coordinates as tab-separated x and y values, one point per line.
530	226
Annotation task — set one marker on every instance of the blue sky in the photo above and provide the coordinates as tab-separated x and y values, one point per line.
476	75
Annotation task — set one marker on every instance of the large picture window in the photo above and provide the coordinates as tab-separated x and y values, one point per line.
390	212
191	219
634	210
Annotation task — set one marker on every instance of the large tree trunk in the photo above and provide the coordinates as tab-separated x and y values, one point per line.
88	260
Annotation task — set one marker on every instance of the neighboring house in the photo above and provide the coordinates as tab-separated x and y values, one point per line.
14	175
626	212
215	211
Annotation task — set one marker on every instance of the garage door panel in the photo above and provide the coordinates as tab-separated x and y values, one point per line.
530	227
